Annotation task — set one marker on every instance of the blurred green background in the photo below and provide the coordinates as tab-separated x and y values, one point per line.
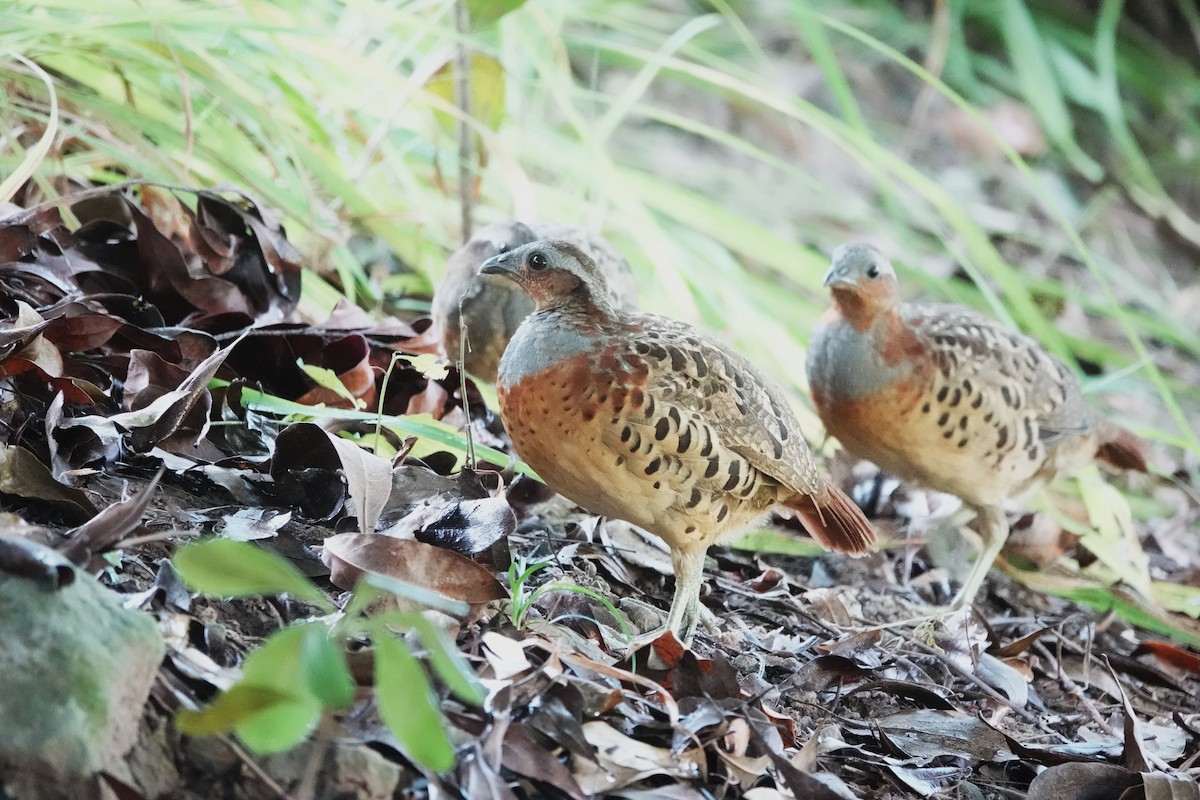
1035	159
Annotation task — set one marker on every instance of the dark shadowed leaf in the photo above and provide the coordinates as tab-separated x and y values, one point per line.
1083	782
111	525
162	418
22	475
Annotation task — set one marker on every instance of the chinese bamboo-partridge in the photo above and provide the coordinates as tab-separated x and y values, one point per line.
646	419
490	309
950	399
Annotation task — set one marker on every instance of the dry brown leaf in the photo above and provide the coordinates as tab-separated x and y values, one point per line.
349	555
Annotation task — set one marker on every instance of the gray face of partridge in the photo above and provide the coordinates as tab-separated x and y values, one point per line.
490	309
646	419
856	265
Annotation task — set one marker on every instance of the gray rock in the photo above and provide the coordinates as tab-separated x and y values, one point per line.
75	669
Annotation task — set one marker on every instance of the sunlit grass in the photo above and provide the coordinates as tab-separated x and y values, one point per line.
677	132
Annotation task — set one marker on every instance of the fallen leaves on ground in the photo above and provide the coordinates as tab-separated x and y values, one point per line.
161	386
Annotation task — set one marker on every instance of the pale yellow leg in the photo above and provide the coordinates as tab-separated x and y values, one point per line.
686	611
993	530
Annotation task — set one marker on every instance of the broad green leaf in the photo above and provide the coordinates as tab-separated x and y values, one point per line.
486	78
483	13
281	726
226	568
768	541
232	708
279	699
408	706
444	657
324	667
328	379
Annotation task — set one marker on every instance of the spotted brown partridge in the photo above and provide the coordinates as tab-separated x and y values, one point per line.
646	419
950	399
490	309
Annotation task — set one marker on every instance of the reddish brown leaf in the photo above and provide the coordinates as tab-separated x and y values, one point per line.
349	555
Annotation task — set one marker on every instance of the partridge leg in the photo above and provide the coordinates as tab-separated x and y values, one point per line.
686	612
993	529
685	606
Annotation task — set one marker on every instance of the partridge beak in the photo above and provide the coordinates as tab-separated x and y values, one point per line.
838	275
502	264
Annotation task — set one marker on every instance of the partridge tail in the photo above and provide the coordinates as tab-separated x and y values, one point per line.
834	520
1121	449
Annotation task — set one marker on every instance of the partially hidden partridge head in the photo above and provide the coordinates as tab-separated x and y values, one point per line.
646	419
947	398
489	309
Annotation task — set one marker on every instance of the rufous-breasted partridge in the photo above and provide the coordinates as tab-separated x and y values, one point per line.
949	399
646	419
490	309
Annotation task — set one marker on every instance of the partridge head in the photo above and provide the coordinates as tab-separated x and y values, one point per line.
646	419
486	310
948	398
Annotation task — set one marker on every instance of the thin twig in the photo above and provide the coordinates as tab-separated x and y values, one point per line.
462	98
254	767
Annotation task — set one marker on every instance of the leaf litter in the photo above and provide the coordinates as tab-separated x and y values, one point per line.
130	346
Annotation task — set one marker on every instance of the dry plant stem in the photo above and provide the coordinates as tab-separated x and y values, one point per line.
307	789
253	766
137	541
462	98
972	678
935	60
1072	688
463	344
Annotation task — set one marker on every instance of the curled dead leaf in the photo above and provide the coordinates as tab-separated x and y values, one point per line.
350	555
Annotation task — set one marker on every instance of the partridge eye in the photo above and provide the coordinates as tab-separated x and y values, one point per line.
873	271
538	261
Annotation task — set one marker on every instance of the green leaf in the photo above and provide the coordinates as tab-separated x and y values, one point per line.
1112	537
486	12
328	379
768	541
285	685
408	705
423	426
226	568
1039	84
1178	597
324	668
232	708
418	594
1115	598
486	79
445	659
